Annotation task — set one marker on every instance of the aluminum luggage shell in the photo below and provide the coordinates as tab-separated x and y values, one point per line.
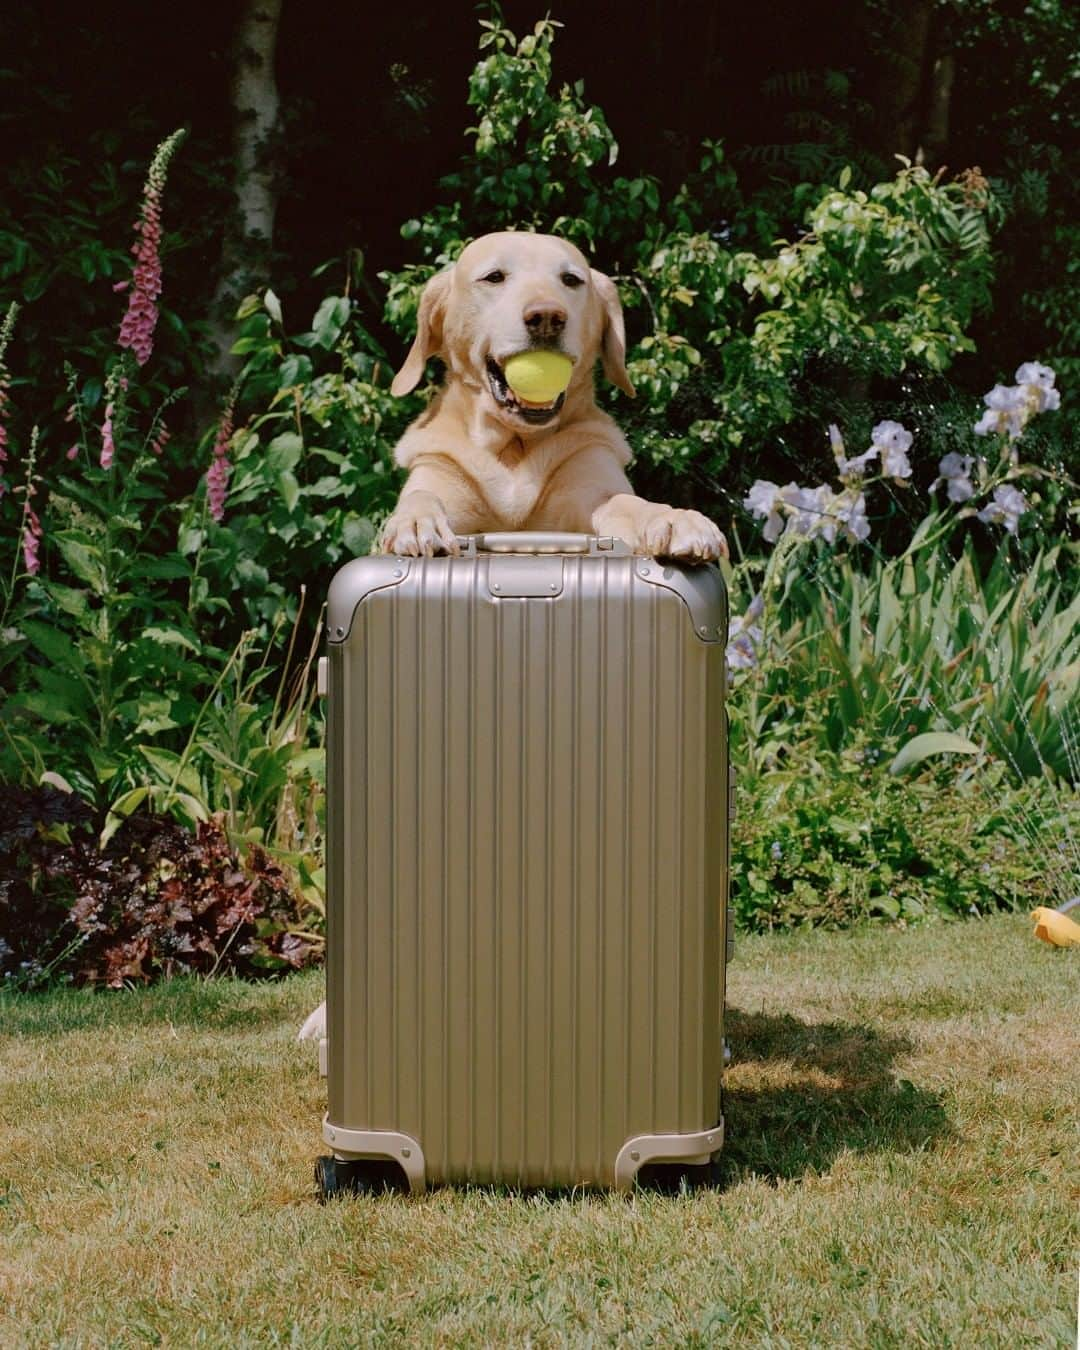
527	854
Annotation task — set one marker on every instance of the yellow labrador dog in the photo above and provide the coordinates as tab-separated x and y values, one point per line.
480	458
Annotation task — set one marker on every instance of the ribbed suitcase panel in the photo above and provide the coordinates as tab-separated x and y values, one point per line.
526	955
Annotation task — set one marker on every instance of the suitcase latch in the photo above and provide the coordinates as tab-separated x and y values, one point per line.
525	576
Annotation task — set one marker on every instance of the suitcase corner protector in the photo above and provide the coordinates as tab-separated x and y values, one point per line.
646	1148
353	582
400	1148
701	589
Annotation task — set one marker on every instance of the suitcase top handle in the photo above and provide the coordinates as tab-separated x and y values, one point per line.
541	541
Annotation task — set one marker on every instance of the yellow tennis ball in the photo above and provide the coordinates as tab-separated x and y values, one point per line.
538	377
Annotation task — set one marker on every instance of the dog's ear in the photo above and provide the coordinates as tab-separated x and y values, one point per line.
429	336
613	340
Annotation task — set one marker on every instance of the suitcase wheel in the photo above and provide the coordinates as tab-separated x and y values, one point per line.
675	1178
358	1176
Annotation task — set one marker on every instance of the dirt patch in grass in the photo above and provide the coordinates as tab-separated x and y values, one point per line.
901	1114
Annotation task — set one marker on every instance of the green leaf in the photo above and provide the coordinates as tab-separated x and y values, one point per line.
295	369
171	637
358	534
119	812
290	490
273	305
330	319
931	743
161	569
55	645
284	451
167	765
53	711
311	763
83	559
154	715
67	598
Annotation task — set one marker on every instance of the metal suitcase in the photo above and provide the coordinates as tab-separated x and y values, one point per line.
527	865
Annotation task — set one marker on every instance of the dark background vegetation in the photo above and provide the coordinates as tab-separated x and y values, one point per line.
372	114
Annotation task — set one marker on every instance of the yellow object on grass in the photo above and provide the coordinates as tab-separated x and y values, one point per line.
1055	928
538	377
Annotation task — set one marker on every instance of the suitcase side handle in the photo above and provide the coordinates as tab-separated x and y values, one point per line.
541	541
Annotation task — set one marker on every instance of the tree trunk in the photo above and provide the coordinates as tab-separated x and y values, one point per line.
911	87
899	83
935	136
249	232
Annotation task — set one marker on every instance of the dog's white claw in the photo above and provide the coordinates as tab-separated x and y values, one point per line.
314	1029
419	535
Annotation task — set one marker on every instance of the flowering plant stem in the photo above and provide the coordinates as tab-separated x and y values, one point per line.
27	491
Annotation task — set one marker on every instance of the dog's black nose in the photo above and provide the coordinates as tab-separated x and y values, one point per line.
545	321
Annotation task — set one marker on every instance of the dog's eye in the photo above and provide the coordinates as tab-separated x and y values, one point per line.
572	280
494	277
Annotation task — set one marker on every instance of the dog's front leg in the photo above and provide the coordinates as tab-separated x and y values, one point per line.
419	527
660	531
433	509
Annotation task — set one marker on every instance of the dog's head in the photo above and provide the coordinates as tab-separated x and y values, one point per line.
511	293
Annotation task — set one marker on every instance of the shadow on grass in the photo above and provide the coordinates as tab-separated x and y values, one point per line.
839	1094
844	1097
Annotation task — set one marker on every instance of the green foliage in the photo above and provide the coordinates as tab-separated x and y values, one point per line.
917	644
124	677
829	839
64	232
874	282
312	469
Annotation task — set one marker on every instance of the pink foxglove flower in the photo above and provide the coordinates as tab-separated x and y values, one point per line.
108	448
217	476
140	319
160	440
32	542
73	453
6	330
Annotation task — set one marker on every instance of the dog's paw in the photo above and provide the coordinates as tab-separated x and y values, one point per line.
686	536
419	528
314	1029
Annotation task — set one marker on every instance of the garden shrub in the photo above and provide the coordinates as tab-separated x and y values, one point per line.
826	839
157	899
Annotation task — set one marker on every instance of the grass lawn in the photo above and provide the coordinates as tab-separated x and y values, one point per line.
902	1169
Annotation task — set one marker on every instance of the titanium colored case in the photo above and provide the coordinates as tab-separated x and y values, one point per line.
527	863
